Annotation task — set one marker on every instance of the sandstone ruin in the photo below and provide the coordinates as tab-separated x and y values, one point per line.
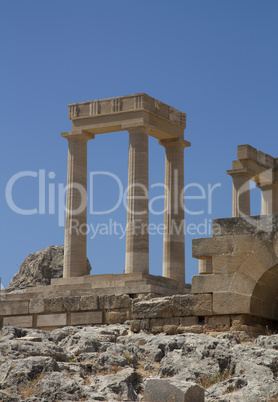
238	267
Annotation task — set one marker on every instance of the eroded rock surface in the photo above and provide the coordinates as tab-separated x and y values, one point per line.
110	363
38	268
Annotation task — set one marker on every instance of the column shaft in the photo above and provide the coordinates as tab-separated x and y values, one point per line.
173	239
75	259
269	199
241	194
137	235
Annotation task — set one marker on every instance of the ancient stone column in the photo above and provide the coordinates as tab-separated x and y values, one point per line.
241	194
137	235
75	257
173	239
269	198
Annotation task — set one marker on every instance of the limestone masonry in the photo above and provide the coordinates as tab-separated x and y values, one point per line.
236	288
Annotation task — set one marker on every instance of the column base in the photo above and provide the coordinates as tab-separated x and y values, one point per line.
107	284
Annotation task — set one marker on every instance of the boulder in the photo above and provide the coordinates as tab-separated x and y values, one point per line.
39	268
164	390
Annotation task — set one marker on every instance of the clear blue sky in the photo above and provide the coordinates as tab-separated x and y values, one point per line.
217	61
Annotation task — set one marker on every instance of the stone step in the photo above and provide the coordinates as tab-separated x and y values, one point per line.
123	287
112	277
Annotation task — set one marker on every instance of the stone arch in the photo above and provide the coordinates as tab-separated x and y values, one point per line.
264	298
243	277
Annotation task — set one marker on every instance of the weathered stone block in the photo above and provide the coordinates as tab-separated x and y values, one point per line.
222	323
157	390
259	224
155	308
51	320
230	303
135	325
14	307
244	283
189	305
36	306
145	324
23	321
157	322
88	317
202	304
189	321
170	329
193	329
89	302
244	319
212	283
54	305
116	317
71	303
210	246
156	329
226	264
114	301
172	321
182	305
156	325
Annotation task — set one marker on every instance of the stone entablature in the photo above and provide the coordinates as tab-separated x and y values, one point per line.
261	168
128	108
254	161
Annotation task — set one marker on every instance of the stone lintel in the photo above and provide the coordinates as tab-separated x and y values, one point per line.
261	158
115	114
260	166
77	134
175	142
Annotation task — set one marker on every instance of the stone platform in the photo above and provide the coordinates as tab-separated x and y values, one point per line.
91	299
106	284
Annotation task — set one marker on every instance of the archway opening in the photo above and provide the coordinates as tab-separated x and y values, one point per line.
264	300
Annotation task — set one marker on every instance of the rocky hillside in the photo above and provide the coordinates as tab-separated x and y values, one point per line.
110	363
38	268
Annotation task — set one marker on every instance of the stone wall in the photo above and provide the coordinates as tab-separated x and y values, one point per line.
70	310
172	314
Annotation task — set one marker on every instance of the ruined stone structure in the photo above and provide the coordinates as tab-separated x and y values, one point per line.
262	169
239	264
141	116
238	267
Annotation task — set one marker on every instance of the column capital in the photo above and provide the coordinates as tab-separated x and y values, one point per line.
174	142
77	135
138	128
240	173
